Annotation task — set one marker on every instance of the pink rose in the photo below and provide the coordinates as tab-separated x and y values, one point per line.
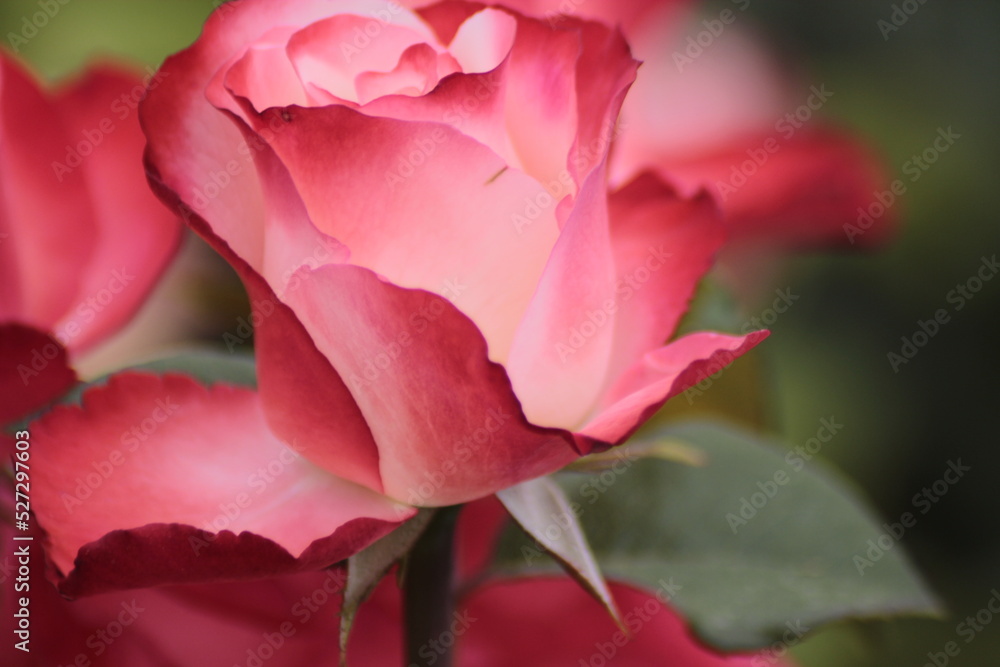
82	239
446	300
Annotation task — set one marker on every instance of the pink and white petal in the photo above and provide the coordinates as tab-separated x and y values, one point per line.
562	349
808	192
659	376
34	370
449	226
46	218
483	40
542	105
474	104
150	481
448	426
263	75
328	55
136	234
414	74
604	73
663	244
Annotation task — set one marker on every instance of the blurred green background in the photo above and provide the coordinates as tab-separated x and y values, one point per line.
828	353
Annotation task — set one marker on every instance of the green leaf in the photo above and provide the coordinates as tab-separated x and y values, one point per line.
743	579
366	568
542	510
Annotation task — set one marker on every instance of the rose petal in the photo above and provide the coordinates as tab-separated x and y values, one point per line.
660	375
809	191
330	54
560	355
149	481
137	235
39	186
34	370
663	245
448	427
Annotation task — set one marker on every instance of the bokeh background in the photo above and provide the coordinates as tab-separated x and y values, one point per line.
828	353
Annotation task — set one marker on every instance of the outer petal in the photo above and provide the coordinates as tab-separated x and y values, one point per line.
136	235
448	427
560	357
525	617
45	210
660	375
206	624
34	370
807	193
663	244
149	481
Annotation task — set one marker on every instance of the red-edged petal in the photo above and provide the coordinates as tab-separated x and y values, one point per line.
136	234
809	190
151	480
526	617
217	624
448	427
47	227
660	375
34	370
663	244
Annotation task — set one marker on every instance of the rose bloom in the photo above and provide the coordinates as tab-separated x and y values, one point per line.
447	302
82	239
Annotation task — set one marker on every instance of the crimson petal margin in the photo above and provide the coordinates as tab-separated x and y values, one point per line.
149	481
